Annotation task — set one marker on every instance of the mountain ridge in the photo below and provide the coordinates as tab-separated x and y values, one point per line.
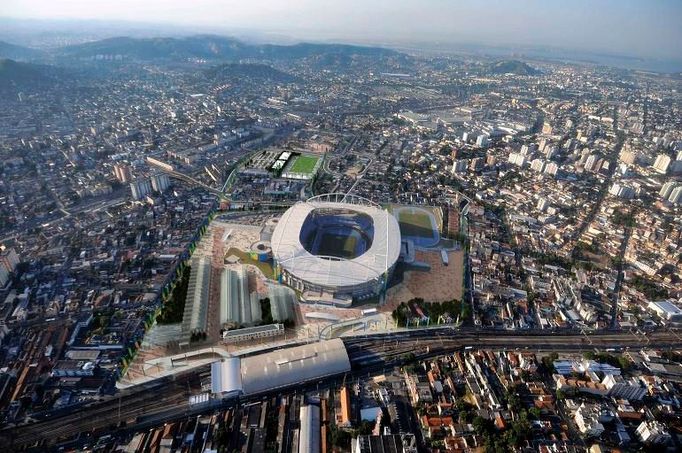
212	47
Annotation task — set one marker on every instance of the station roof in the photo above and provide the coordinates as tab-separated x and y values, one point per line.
226	376
288	366
279	368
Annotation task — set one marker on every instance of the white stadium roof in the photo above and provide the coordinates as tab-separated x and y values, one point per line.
295	259
279	368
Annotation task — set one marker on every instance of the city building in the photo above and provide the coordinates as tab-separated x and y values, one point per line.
309	435
620	387
652	432
662	163
667	310
587	419
160	182
9	260
140	188
122	173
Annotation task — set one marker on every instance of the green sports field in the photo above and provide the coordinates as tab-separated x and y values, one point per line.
417	224
304	164
338	245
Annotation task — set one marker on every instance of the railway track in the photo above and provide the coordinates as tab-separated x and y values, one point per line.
366	354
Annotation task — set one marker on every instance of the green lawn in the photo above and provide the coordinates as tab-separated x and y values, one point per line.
415	224
304	164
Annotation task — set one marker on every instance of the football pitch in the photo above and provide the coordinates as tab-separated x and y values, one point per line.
304	164
419	225
338	245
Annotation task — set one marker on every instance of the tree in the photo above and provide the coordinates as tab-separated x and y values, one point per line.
535	413
482	426
339	437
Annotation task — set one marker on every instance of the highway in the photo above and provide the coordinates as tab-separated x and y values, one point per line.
167	399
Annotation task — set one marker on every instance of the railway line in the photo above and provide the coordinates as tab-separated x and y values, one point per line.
168	398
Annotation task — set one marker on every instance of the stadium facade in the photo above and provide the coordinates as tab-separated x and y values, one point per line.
335	248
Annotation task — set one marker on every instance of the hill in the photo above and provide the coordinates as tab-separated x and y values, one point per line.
14	52
215	48
16	73
249	71
512	67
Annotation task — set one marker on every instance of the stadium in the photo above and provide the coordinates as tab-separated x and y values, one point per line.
335	248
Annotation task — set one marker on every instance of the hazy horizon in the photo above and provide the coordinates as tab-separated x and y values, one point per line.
629	27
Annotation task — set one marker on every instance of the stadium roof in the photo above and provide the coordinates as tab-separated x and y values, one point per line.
279	368
294	258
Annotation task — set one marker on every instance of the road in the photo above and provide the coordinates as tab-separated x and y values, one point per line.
603	188
619	278
167	399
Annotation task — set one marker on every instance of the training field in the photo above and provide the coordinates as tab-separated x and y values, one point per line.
304	164
340	245
417	224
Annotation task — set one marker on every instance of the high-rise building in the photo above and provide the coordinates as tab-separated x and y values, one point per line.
122	172
140	188
517	159
620	387
662	163
538	165
676	195
160	182
482	141
476	164
542	204
593	163
622	191
459	166
676	167
667	189
552	168
4	276
550	151
587	420
542	143
527	150
9	259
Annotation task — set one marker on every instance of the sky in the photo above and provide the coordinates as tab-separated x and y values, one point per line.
649	28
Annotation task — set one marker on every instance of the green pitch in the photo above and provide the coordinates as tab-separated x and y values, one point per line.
338	245
304	164
415	224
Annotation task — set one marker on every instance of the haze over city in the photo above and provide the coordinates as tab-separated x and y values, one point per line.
626	27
